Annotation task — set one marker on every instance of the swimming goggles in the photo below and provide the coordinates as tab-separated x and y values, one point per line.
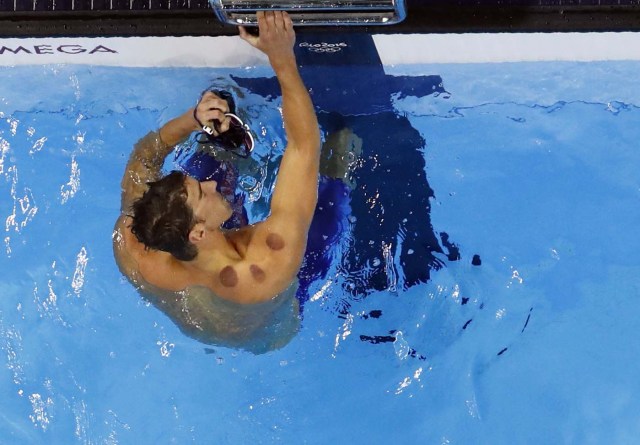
237	139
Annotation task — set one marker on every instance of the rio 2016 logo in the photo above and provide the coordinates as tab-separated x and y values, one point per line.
323	47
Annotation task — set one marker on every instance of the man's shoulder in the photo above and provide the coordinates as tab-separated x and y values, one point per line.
278	236
121	238
133	258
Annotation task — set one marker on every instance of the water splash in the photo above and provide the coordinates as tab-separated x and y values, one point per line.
40	416
38	145
400	346
70	188
12	346
13	125
4	149
24	209
392	274
78	275
344	332
166	347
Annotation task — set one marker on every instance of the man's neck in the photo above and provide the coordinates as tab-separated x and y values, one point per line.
218	247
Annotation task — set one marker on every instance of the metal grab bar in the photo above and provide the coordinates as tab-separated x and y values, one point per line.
314	12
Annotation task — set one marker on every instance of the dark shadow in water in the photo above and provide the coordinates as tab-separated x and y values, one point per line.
389	192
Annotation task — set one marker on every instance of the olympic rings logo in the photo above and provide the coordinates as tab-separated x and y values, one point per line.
324	47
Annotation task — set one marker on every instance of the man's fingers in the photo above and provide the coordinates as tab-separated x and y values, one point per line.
244	35
263	26
288	23
214	106
224	124
211	101
205	115
215	115
276	30
278	18
270	20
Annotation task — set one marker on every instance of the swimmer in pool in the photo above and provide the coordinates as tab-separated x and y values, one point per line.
223	286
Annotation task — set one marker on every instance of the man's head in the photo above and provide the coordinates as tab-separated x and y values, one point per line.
176	213
162	219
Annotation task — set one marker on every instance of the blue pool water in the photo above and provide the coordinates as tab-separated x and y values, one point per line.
531	166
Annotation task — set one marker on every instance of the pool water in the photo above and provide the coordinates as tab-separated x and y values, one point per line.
531	168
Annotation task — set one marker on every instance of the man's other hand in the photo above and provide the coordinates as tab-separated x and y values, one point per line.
212	108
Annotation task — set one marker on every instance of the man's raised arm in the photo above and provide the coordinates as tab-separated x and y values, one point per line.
297	183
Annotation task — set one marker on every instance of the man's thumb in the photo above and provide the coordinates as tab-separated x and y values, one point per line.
244	35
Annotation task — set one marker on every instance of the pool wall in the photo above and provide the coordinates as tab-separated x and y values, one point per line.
230	51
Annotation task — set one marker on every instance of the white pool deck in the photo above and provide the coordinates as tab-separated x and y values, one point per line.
233	52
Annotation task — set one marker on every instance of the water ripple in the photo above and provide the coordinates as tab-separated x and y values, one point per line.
78	275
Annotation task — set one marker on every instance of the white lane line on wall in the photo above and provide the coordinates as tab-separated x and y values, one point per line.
504	47
132	52
229	52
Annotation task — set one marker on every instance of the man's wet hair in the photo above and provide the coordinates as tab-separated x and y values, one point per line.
162	219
